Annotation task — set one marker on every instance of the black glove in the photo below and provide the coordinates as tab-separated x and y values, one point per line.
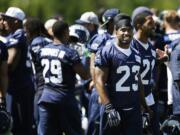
113	117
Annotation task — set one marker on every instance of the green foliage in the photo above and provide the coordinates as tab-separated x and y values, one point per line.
72	9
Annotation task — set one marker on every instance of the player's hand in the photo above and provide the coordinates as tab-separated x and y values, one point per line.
113	116
161	54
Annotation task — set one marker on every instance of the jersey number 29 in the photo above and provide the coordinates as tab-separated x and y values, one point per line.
53	68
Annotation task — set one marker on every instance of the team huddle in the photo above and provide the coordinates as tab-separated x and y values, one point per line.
98	76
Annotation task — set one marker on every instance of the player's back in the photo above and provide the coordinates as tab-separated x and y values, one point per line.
35	46
57	62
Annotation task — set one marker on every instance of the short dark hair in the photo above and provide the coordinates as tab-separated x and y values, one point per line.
35	26
59	28
139	19
139	14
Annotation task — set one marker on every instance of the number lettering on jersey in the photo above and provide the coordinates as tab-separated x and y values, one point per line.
54	69
148	68
120	85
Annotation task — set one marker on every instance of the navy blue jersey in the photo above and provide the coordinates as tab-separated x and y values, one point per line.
122	83
98	41
20	77
175	59
35	46
148	57
3	52
57	62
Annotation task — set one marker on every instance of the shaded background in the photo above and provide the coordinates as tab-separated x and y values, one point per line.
72	9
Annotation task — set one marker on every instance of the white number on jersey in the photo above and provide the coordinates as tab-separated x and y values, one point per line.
148	65
54	67
127	70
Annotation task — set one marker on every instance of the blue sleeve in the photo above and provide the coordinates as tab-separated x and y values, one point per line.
102	58
16	39
74	57
89	44
97	42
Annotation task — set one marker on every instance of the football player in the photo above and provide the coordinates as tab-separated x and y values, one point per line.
171	26
117	74
57	106
20	89
96	43
144	24
37	38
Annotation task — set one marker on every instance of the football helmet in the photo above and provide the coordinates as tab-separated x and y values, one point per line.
79	32
5	121
171	126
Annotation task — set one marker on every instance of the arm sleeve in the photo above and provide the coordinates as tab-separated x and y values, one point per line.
74	57
102	58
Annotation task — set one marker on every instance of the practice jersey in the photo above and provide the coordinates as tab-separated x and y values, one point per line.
98	42
21	76
175	59
35	46
57	62
122	82
148	56
3	52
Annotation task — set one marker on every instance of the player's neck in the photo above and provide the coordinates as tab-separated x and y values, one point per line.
141	36
57	41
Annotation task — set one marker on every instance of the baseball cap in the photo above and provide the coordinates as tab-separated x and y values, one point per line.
140	11
109	14
88	17
15	12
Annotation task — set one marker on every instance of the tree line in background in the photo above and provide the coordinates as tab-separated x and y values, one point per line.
72	9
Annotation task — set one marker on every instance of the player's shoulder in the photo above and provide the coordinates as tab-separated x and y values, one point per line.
40	40
19	33
136	54
134	43
134	50
175	44
109	48
3	39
